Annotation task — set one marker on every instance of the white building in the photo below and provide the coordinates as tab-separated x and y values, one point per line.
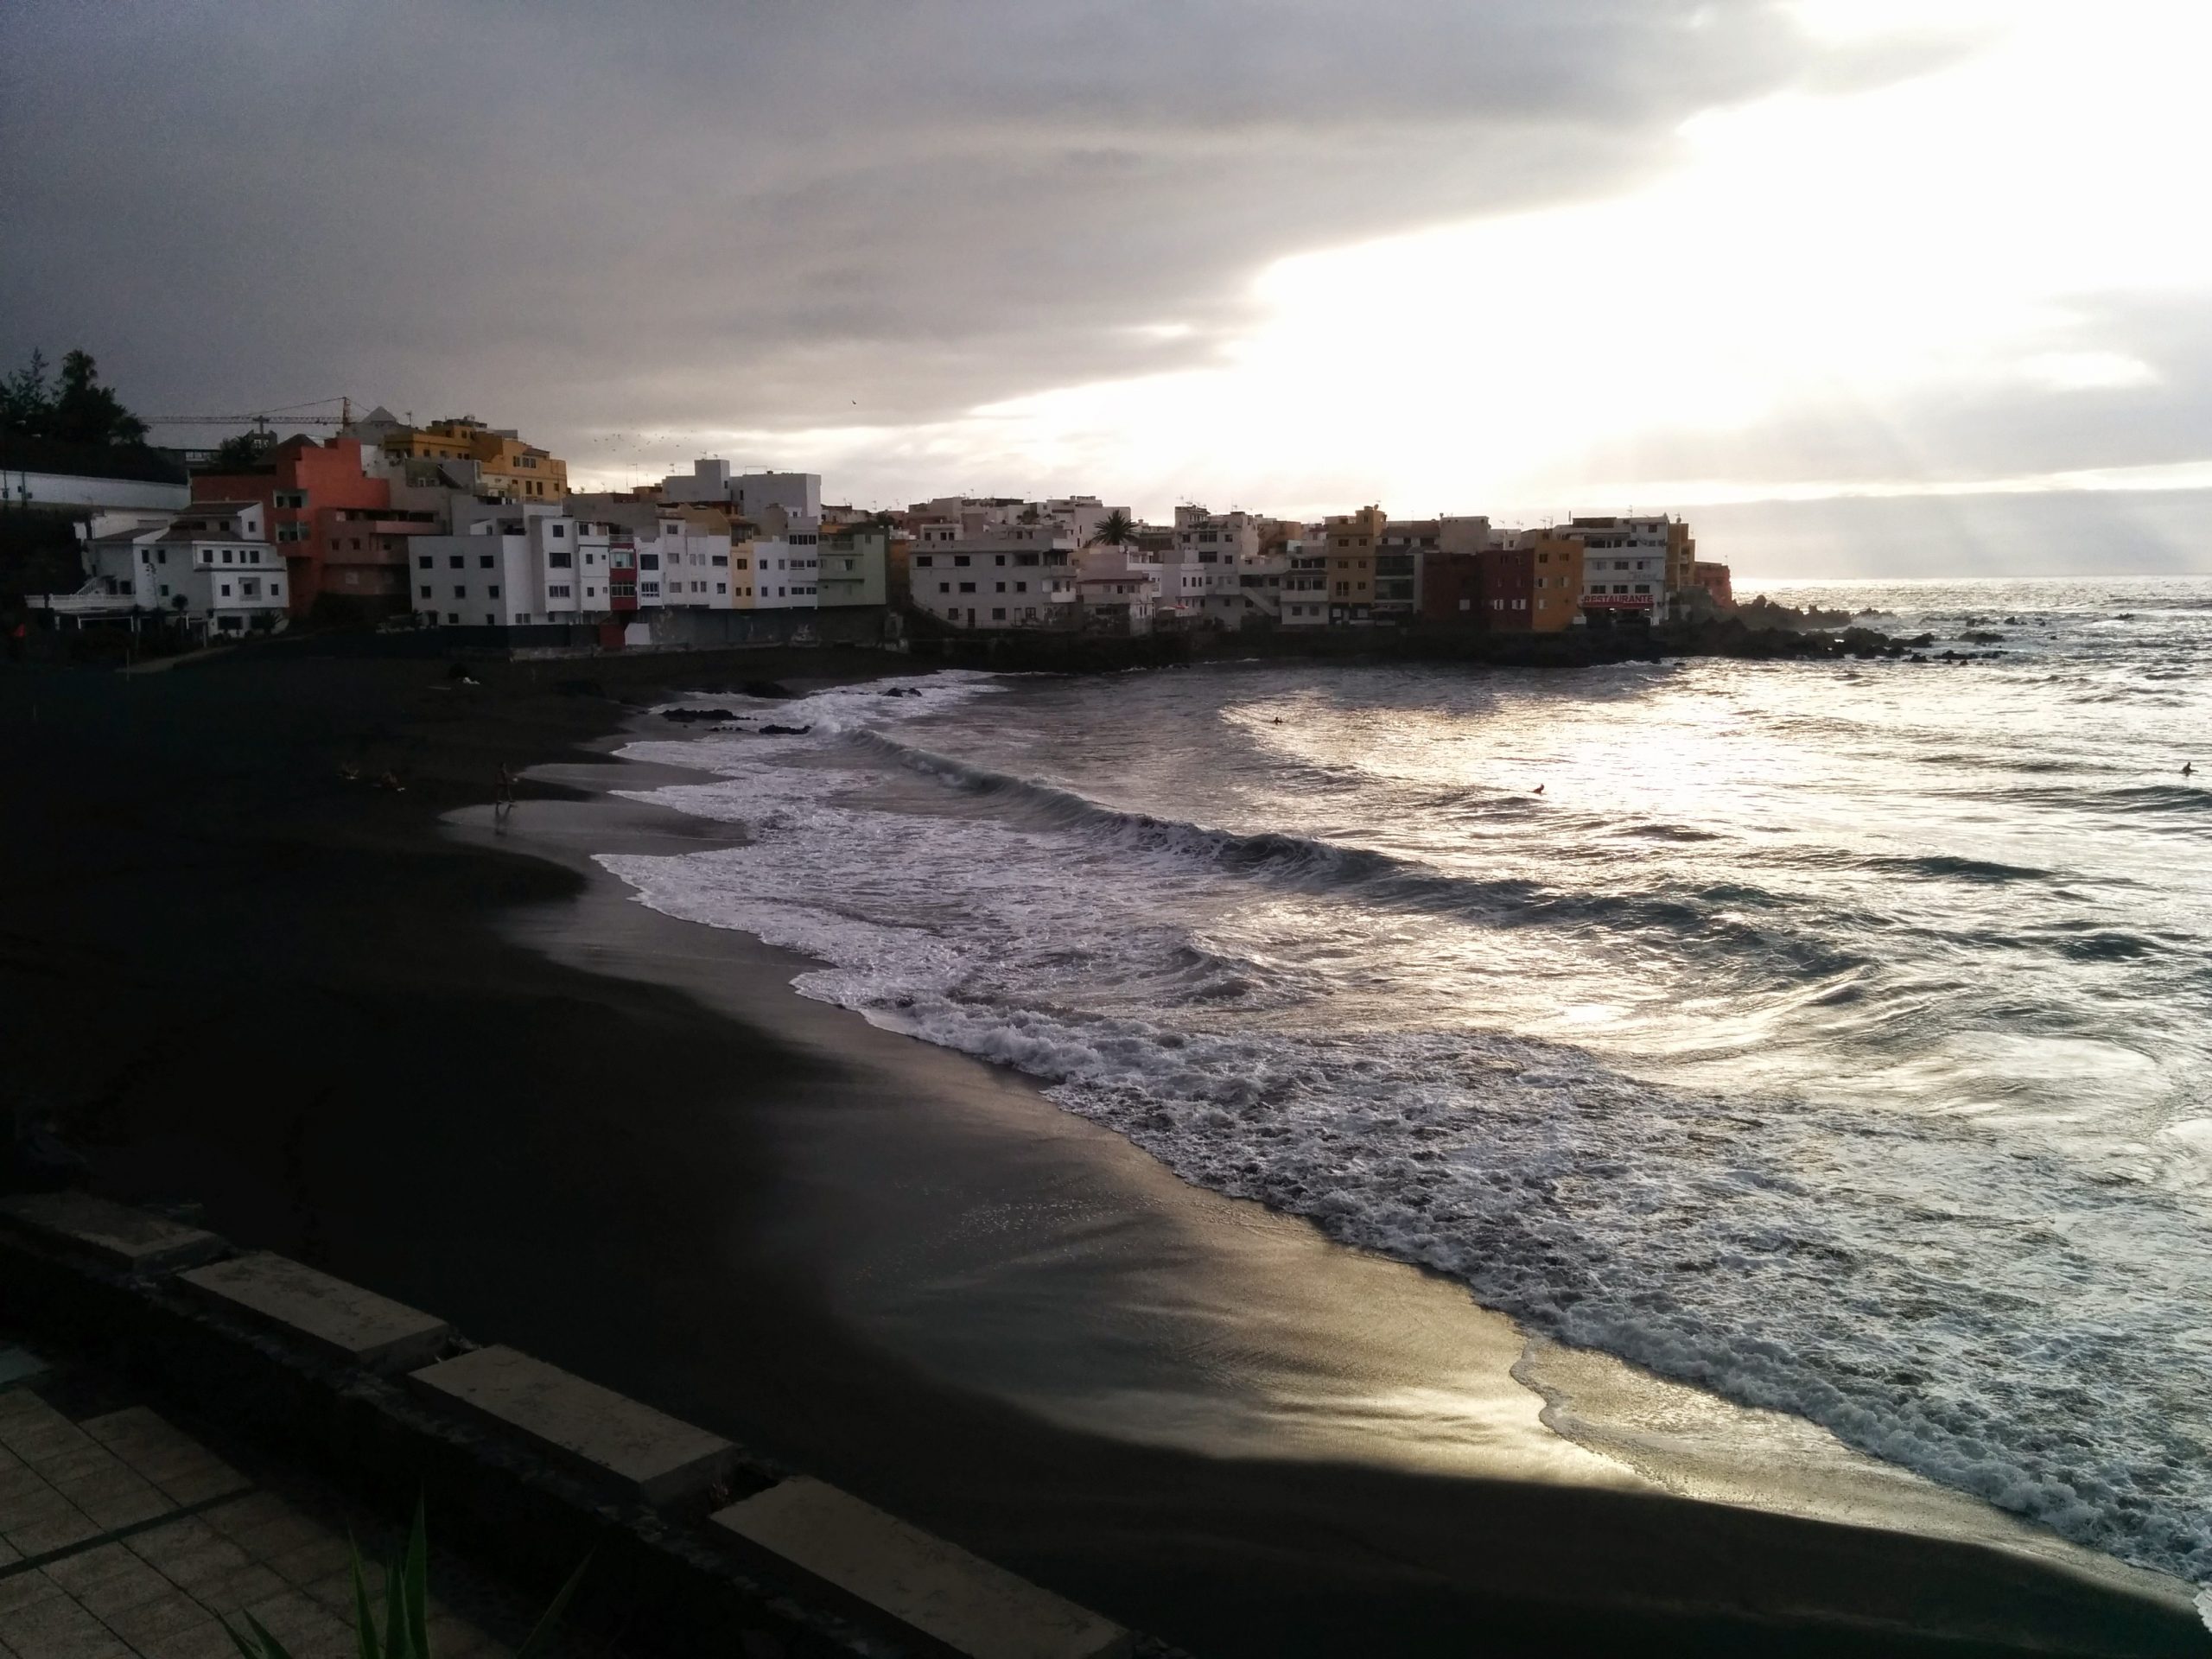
750	495
1306	581
1624	566
212	565
1016	575
523	566
1119	592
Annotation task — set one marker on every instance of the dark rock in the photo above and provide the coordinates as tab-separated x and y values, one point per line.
785	731
687	715
767	689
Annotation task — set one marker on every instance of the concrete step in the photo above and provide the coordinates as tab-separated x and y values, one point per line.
137	1241
920	1580
595	1432
336	1319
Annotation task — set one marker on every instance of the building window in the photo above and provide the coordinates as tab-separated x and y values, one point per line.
460	593
227	590
999	615
493	591
484	559
426	593
456	560
944	587
960	558
291	498
557	590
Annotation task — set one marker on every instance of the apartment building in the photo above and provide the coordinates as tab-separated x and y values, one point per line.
1305	582
331	513
1625	566
1014	575
213	566
502	465
1352	538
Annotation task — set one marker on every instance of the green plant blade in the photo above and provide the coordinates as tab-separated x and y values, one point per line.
396	1644
415	1590
365	1624
543	1633
263	1645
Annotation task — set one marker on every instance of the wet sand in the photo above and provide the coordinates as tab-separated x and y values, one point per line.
466	1074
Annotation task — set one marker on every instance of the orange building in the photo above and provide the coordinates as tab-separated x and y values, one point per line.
333	523
1352	537
506	467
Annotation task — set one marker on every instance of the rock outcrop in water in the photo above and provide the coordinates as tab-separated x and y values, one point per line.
1760	612
1573	648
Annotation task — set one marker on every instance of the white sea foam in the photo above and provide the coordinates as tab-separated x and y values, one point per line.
1968	1306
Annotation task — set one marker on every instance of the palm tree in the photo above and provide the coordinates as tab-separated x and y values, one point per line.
1118	528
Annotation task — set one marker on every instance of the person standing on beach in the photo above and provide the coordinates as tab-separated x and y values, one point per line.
503	802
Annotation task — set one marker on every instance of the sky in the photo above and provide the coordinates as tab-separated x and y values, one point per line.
1818	266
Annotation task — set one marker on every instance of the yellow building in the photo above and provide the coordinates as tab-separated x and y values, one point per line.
505	466
1351	539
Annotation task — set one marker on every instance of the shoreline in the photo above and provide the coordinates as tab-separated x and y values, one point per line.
1634	1429
598	1168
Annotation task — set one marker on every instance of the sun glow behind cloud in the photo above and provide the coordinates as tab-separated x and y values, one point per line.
1828	252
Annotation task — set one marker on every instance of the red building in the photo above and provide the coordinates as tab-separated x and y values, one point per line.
1533	588
333	523
1452	589
1713	578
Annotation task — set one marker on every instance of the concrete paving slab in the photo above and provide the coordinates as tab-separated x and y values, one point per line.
337	1320
602	1434
137	1241
930	1586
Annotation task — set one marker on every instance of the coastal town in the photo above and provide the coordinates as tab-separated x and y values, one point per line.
456	525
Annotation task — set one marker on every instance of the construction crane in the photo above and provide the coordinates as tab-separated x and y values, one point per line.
260	424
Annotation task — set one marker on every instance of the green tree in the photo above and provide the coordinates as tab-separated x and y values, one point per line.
1118	528
86	411
243	453
25	403
77	408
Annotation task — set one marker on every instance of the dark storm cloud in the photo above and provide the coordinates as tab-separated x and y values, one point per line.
776	215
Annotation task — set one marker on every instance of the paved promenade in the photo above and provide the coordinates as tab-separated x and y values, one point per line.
121	1536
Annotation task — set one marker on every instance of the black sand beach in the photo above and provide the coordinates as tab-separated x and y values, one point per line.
479	1080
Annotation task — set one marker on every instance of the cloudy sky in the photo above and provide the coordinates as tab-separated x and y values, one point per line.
1854	274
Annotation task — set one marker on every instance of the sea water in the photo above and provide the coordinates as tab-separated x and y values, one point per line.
1835	1036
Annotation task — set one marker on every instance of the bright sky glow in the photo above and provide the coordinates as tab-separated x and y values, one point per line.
1833	255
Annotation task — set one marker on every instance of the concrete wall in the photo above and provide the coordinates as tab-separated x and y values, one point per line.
62	490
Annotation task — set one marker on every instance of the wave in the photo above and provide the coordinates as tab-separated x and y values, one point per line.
1311	864
1804	1248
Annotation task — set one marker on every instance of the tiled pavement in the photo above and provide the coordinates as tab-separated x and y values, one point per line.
121	1536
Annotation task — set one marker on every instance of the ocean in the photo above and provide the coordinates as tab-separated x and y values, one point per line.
1836	1037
